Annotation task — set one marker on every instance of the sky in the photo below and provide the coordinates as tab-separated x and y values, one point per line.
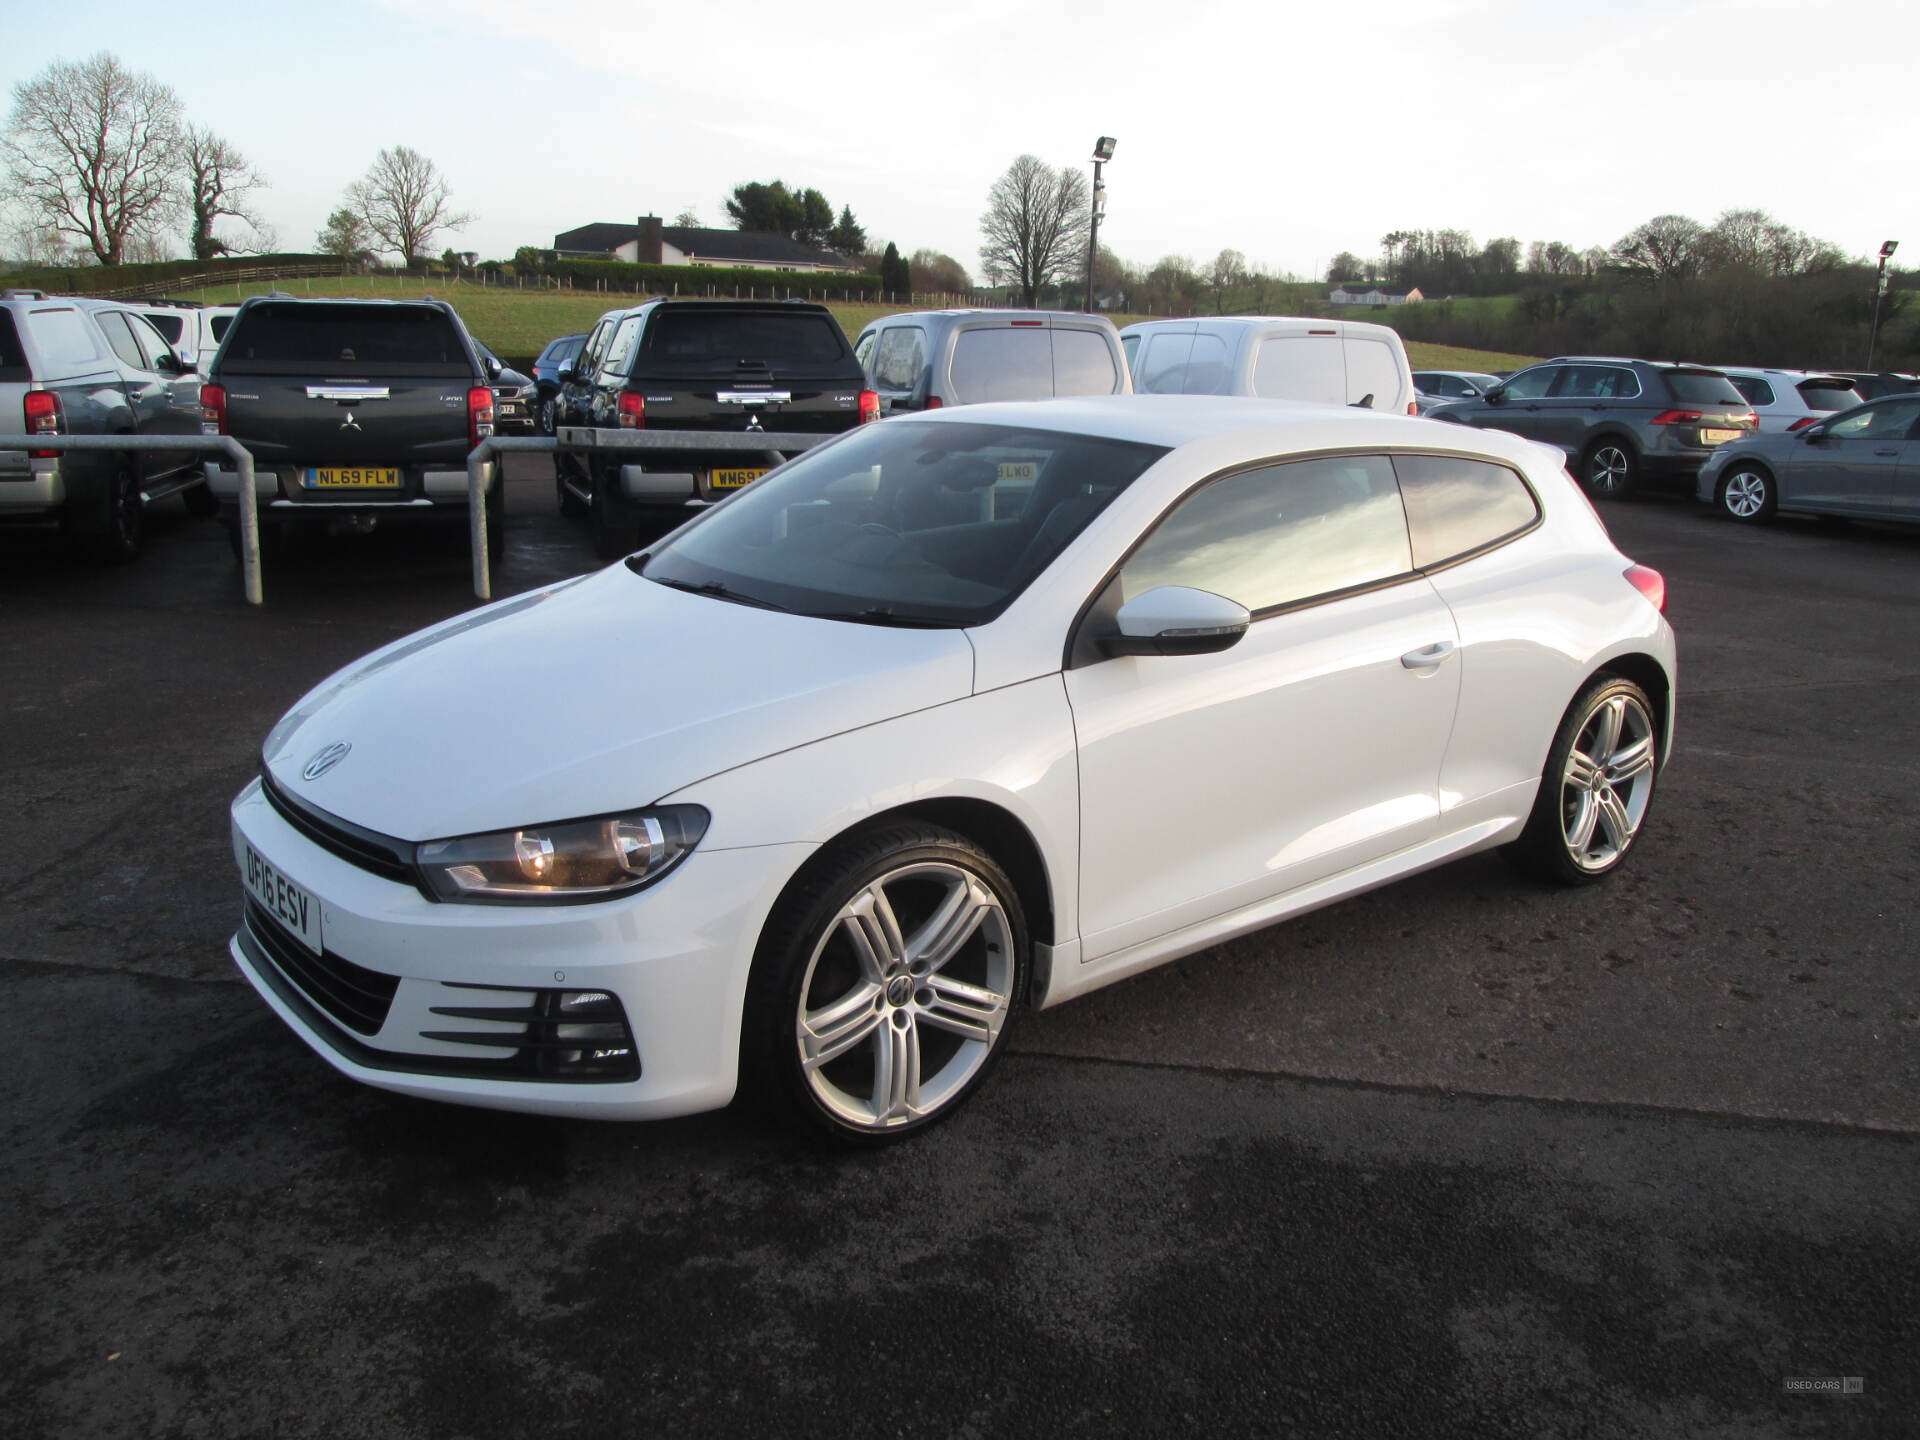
1287	131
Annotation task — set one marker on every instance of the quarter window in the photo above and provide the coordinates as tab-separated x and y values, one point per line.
1456	506
1280	534
900	359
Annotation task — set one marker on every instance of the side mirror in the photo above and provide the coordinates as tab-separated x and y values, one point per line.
1815	432
1469	393
494	367
170	364
564	373
1496	396
1178	620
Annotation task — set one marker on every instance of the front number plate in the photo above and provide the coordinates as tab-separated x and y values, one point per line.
734	479
294	907
355	477
1719	437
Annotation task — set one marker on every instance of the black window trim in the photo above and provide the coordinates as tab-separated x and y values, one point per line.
1093	600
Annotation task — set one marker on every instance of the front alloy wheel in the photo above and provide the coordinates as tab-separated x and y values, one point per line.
1596	788
1747	495
895	975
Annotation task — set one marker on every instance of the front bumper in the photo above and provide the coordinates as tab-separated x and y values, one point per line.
676	955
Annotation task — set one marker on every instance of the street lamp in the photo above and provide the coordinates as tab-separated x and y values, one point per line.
1102	152
1879	294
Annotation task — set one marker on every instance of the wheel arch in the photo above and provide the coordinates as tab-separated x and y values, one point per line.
1611	430
1651	676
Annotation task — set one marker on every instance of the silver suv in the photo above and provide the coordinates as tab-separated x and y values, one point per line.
92	367
925	359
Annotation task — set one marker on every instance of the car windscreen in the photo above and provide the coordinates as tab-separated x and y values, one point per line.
698	341
1825	395
327	339
904	523
1703	387
13	360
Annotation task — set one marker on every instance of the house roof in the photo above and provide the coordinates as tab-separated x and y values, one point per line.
749	245
1367	287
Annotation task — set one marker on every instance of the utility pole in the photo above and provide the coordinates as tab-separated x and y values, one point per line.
1879	293
1102	152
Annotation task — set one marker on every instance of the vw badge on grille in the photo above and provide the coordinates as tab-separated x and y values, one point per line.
325	760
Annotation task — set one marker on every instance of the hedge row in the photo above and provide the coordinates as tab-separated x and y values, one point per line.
703	280
95	279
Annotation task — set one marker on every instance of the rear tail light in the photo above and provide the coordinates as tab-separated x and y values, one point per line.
43	418
1650	583
1749	421
632	411
1802	423
479	415
934	402
213	409
1678	417
870	406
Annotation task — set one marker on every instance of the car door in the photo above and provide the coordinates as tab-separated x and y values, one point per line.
899	362
1212	782
146	391
180	381
1849	464
1518	406
1906	480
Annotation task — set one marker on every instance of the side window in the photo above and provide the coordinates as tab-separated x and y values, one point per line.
1209	368
596	346
1281	534
1757	391
1004	363
171	327
62	337
1532	384
1626	385
1456	506
114	326
1130	344
220	324
863	350
1082	364
620	351
152	346
901	356
1300	367
1891	421
1163	363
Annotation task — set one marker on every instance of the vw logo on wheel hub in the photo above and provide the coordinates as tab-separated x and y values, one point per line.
325	760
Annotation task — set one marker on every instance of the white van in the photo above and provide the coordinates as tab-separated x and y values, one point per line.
1276	357
194	331
928	359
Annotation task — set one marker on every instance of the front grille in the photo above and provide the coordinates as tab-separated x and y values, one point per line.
356	997
567	1034
370	850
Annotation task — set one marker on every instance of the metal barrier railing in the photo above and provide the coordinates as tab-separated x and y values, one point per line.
181	444
570	438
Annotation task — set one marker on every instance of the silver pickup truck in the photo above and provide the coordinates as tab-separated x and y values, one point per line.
92	367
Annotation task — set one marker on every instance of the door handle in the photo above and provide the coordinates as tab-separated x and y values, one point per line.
1428	655
1887	452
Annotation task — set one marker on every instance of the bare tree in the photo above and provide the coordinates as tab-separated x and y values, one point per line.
218	182
1667	247
92	149
937	273
402	200
1034	231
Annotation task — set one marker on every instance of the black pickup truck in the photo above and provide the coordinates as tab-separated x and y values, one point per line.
701	365
357	412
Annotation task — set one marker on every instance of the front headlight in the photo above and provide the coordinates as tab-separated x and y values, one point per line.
560	864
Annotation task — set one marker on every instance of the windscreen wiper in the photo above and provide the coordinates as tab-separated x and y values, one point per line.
883	615
720	592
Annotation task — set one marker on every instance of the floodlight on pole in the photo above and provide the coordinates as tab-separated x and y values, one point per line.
1102	152
1879	294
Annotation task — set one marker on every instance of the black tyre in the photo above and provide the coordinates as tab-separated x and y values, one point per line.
110	530
884	982
1748	494
1596	788
616	529
1610	469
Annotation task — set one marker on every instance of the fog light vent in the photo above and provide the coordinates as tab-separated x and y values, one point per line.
566	1034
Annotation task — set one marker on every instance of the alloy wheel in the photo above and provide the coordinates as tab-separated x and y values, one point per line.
1609	470
1745	496
1607	782
905	995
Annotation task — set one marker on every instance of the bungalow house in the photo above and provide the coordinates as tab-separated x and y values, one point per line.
1365	292
650	243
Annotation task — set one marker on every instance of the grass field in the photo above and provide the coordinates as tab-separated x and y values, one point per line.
517	324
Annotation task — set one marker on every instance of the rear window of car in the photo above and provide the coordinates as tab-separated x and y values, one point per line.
13	359
345	340
1703	387
1828	395
1004	363
690	342
1083	364
171	326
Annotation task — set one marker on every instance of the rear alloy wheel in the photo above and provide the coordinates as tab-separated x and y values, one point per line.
1610	469
549	416
1747	495
884	984
1596	787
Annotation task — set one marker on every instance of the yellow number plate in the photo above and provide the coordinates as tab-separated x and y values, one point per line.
734	479
1719	437
1018	472
356	477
